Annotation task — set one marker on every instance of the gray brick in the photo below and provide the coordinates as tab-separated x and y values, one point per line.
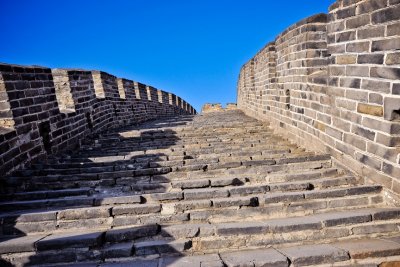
386	15
361	249
358	47
370	59
261	257
314	254
386	45
385	73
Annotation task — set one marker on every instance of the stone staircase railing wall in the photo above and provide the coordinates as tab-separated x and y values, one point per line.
331	83
45	111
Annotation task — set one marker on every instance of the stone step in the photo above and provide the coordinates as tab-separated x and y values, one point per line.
211	238
213	162
198	206
28	180
241	186
48	194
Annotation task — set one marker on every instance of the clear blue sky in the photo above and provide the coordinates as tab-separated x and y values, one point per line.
192	48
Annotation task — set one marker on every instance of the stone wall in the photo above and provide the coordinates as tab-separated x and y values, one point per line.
217	107
44	111
331	82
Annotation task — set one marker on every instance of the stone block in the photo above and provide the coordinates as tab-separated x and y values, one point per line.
294	224
120	250
358	47
210	260
385	15
206	193
385	73
136	209
345	218
366	248
346	59
192	205
261	257
235	201
131	233
248	228
193	183
19	244
70	240
161	247
370	109
86	213
314	254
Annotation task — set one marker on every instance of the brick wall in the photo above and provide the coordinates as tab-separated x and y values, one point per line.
331	82
44	111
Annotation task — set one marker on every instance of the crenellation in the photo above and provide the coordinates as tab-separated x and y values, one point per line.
51	111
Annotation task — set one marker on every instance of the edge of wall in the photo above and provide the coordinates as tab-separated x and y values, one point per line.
330	83
46	111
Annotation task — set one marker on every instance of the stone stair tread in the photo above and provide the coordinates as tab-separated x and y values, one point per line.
73	239
20	244
221	197
366	248
48	193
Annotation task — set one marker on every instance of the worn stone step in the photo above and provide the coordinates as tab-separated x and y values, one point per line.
205	206
47	194
349	221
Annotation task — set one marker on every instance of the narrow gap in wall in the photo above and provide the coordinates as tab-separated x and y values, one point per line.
133	108
44	131
396	115
89	121
115	109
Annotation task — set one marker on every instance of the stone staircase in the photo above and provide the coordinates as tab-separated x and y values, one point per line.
218	189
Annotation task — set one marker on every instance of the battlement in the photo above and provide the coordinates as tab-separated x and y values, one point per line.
216	107
45	111
331	83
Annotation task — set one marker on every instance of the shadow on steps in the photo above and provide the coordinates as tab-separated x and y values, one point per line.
116	168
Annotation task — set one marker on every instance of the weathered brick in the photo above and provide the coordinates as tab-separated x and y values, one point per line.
392	59
385	15
393	29
346	59
345	13
377	86
368	160
386	44
345	36
375	98
370	6
363	132
370	59
355	141
358	47
357	95
357	71
387	140
370	109
358	21
371	32
386	73
350	82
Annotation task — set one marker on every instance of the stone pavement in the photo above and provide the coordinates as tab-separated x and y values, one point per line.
219	189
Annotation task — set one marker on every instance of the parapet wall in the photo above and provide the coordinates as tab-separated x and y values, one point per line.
217	107
331	82
46	111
